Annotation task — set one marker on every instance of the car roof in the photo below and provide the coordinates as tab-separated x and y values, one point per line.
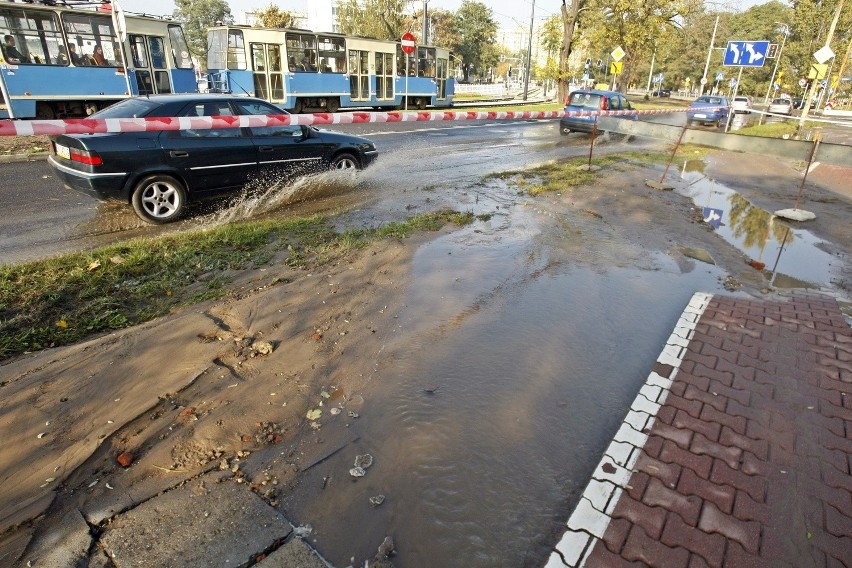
597	92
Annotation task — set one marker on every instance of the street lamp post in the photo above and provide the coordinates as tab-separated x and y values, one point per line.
529	53
709	53
425	35
651	72
786	32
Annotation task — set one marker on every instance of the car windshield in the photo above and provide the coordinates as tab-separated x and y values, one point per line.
710	100
128	108
780	102
585	100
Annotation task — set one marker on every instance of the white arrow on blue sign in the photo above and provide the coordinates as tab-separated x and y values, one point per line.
746	53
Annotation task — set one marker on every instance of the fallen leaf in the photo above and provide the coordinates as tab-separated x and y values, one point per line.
116	260
314	414
94	265
62	323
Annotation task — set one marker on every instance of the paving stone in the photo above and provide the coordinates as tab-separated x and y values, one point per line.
735	423
653	552
601	557
753	485
650	519
293	554
668	473
687	506
759	448
679	436
715	521
711	547
701	465
722	495
716	401
203	523
704	447
709	429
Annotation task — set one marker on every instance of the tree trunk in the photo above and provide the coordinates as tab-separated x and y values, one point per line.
569	21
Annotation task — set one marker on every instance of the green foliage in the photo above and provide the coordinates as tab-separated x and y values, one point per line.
380	19
274	17
198	15
477	32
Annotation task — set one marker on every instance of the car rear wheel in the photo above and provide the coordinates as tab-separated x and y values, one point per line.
158	199
345	161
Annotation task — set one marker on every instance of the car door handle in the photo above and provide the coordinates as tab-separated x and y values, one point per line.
178	154
265	148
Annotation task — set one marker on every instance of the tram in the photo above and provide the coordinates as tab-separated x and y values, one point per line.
305	71
65	59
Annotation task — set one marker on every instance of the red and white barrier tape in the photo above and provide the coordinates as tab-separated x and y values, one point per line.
104	125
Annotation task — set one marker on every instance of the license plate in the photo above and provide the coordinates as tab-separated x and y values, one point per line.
63	151
699	115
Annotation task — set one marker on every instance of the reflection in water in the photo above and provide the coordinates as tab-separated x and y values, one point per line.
796	254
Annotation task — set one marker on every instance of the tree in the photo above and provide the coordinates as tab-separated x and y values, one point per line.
274	17
380	19
442	24
569	23
477	33
198	15
551	41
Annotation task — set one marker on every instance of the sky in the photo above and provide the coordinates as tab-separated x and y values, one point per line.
507	13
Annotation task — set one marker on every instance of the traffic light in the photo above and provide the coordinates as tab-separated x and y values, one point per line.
772	52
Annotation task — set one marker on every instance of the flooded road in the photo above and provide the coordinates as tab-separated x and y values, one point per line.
502	381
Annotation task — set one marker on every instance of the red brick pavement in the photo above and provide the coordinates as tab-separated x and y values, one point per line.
748	461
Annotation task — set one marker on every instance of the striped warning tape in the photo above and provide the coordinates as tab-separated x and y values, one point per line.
104	125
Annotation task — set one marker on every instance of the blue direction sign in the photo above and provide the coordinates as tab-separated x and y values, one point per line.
746	53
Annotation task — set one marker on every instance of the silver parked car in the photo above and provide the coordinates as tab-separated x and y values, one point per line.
781	106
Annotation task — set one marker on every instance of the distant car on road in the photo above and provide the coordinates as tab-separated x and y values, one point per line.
780	106
741	104
661	92
709	109
159	172
585	100
799	104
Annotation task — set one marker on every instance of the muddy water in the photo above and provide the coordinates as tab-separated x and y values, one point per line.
497	389
792	257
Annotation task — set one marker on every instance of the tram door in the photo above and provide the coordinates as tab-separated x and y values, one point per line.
384	75
359	75
443	68
266	68
148	54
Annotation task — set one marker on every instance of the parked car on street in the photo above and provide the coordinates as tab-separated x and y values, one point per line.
709	109
799	104
159	172
586	100
662	92
780	106
741	104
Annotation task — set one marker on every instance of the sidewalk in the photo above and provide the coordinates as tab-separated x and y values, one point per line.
736	452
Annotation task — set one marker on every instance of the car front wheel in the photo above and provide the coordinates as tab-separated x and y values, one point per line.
158	199
345	162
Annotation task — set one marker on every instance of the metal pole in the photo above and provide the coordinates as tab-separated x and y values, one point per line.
807	102
529	53
425	34
709	53
777	61
733	95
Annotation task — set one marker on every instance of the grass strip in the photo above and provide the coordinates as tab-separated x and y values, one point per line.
63	300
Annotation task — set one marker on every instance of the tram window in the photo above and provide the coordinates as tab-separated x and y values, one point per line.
158	52
400	63
332	54
180	51
274	57
302	48
425	62
86	33
258	57
31	36
138	53
236	50
162	79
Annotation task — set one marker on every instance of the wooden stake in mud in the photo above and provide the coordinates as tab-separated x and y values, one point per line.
589	167
660	184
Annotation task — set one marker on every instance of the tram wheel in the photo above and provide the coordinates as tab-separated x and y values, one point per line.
420	103
44	111
332	105
300	107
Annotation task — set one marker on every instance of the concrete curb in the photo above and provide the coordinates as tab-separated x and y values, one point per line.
15	158
592	516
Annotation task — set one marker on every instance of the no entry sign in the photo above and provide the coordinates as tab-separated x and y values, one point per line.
408	42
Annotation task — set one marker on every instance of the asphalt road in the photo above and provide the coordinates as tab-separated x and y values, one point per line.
42	218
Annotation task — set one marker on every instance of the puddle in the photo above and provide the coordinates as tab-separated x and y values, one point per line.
791	257
500	383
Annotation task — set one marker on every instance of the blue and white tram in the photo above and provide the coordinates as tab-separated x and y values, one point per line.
66	60
304	71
